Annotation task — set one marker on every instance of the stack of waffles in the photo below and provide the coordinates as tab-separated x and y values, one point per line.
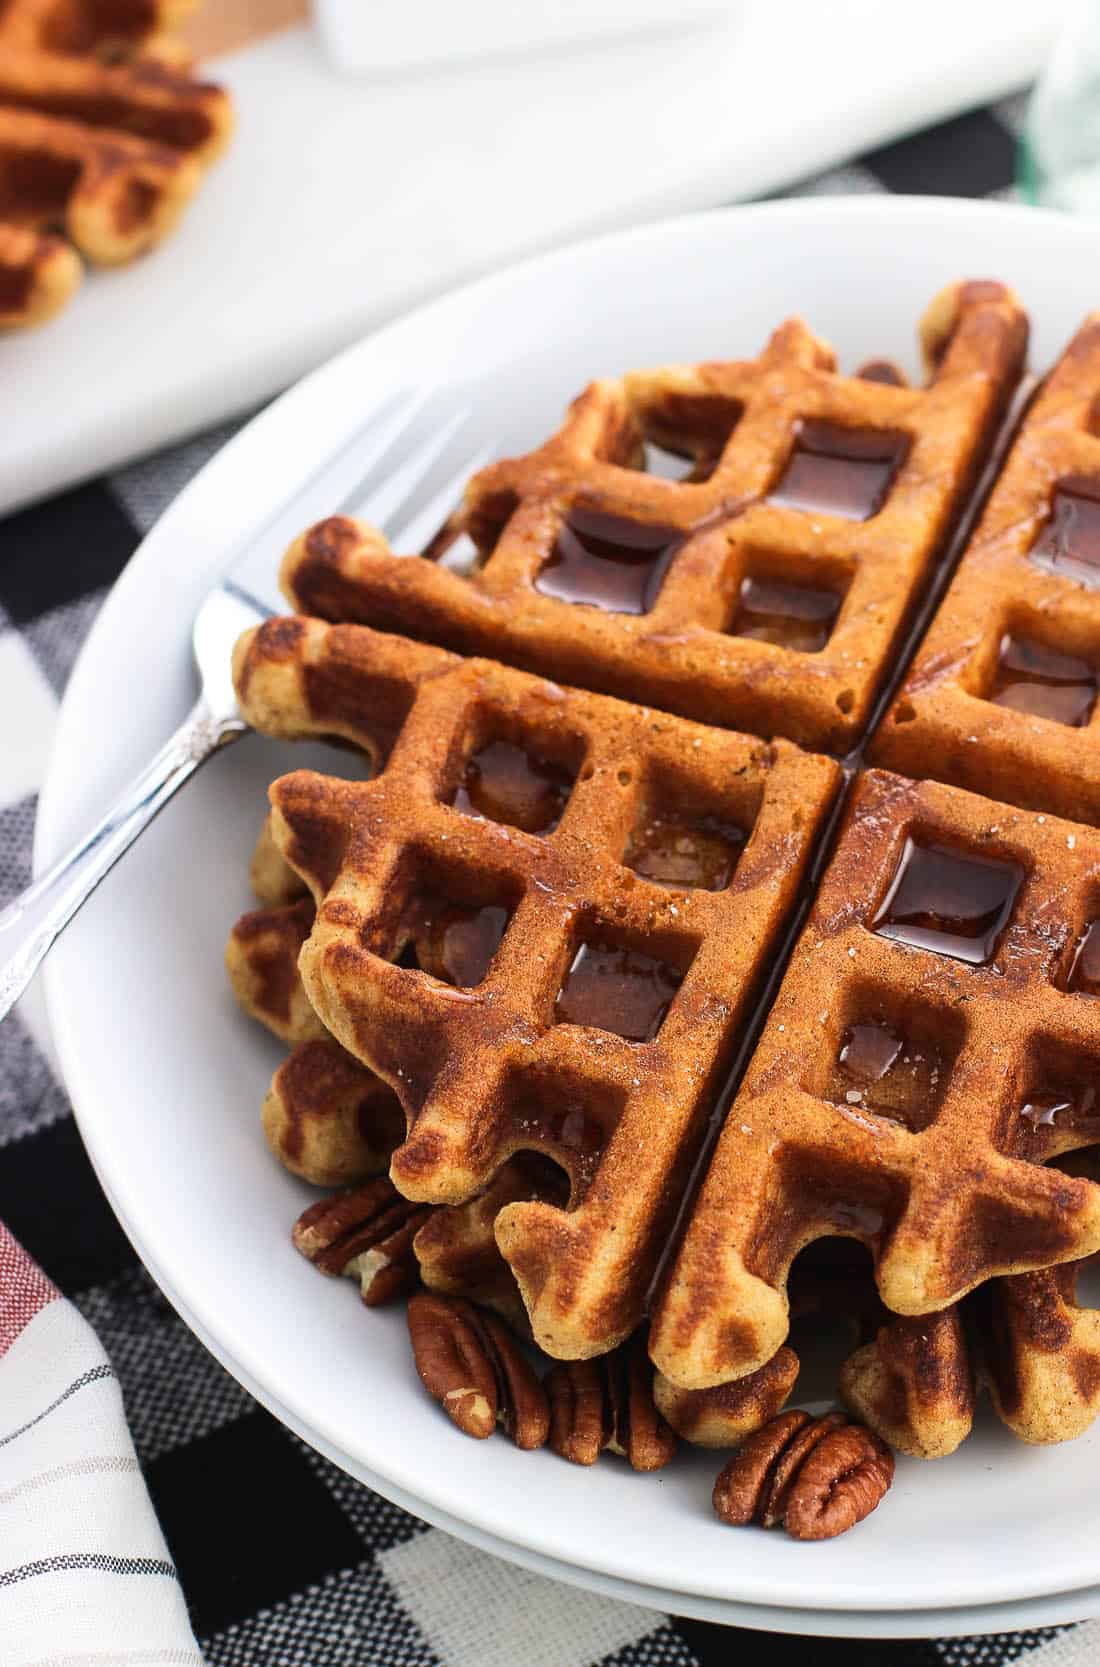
716	940
104	139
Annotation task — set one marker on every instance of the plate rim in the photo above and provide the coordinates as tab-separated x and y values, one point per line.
53	808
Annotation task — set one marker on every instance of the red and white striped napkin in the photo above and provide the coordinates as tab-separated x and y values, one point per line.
85	1575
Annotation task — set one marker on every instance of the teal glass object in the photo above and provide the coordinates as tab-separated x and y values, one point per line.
1059	162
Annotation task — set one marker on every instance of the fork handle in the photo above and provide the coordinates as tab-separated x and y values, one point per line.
30	924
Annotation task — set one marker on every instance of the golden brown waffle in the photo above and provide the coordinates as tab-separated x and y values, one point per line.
768	589
272	879
1001	697
457	1248
1042	1355
725	1415
105	29
261	958
914	1383
330	1121
108	154
926	1054
326	1117
38	273
494	939
1024	1338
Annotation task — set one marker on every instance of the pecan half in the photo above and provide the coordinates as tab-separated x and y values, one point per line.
607	1404
815	1476
366	1234
471	1364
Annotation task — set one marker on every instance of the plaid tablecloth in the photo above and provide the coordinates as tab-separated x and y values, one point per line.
284	1561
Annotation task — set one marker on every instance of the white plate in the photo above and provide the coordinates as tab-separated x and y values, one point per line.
166	1076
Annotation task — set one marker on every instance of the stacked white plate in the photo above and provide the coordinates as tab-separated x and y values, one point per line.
167	1077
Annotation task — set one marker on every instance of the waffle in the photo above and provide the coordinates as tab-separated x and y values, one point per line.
108	154
1023	1338
105	29
261	958
1042	1355
928	1051
1001	697
457	1250
326	1117
913	1380
38	274
542	923
332	1122
767	589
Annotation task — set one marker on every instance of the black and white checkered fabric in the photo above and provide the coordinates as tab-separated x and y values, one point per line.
284	1560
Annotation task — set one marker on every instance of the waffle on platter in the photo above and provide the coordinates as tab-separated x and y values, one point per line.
98	147
541	922
768	588
913	1380
519	963
926	1054
1001	697
108	30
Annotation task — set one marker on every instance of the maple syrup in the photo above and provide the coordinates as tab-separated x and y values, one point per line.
608	562
1031	677
884	371
621	990
840	471
699	854
792	616
505	783
1069	543
1084	974
878	1069
950	902
455	943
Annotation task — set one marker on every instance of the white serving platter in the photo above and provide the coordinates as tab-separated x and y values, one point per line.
166	1076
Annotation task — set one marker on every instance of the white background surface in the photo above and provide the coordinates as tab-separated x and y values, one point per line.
166	1075
341	201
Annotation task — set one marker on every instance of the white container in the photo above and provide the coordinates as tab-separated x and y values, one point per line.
364	37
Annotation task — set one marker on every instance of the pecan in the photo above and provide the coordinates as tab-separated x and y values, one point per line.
471	1364
607	1404
816	1476
366	1233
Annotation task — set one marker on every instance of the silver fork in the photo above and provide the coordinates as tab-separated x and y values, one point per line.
403	469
